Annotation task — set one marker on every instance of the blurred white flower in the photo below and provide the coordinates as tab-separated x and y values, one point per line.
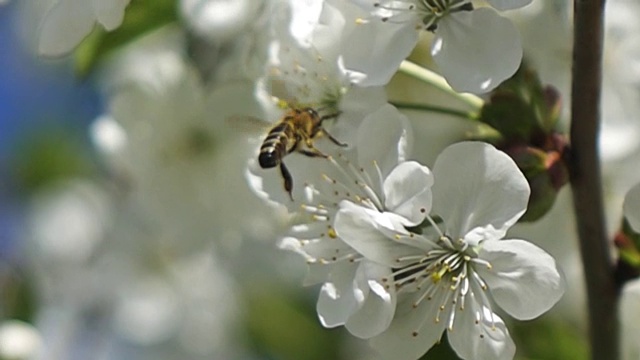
475	49
351	294
450	282
629	312
179	161
69	221
220	20
67	22
631	208
18	340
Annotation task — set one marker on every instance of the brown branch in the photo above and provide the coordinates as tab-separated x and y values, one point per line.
586	181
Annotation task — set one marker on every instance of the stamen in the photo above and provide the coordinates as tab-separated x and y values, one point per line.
482	262
320	210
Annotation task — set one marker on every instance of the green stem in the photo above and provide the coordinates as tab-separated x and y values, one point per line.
437	81
466	115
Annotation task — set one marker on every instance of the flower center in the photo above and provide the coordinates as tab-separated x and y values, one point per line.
426	12
445	274
448	262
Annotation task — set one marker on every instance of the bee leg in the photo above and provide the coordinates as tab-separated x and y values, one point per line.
313	152
288	180
334	140
330	116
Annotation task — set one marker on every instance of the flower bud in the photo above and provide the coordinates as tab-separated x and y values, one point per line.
545	171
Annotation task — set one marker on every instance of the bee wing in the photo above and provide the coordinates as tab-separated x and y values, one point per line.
248	124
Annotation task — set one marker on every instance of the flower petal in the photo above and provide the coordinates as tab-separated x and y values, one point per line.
376	49
385	139
478	190
360	228
305	15
485	340
476	50
632	207
523	280
414	330
64	26
110	13
407	191
379	303
503	5
337	301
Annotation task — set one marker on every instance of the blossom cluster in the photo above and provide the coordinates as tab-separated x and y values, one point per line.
403	252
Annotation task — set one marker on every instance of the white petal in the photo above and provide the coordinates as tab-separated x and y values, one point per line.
384	138
376	49
305	15
355	106
478	190
476	50
414	330
503	5
360	228
486	340
336	301
110	13
316	274
629	314
523	280
407	191
377	309
632	207
64	26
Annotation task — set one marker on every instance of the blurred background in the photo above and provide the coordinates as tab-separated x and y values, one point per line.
127	230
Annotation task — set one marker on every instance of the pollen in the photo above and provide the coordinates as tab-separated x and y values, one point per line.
332	233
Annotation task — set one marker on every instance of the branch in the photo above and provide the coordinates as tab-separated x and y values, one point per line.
586	181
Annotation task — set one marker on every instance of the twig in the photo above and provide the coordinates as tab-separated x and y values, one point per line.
586	182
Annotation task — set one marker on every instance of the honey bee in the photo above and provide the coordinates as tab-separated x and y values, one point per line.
295	132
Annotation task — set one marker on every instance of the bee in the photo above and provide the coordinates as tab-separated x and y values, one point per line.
295	132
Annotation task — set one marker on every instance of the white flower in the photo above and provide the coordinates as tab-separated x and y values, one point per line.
475	49
631	208
448	281
352	293
166	141
67	22
19	340
301	77
220	20
630	299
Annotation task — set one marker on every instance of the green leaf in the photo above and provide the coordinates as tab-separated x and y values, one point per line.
141	16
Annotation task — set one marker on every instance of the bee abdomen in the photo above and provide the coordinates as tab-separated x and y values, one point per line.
274	147
268	159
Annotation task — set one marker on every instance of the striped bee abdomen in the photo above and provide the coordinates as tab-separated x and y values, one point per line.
274	147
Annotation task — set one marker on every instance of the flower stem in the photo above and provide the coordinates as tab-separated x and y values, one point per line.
467	115
586	182
437	81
